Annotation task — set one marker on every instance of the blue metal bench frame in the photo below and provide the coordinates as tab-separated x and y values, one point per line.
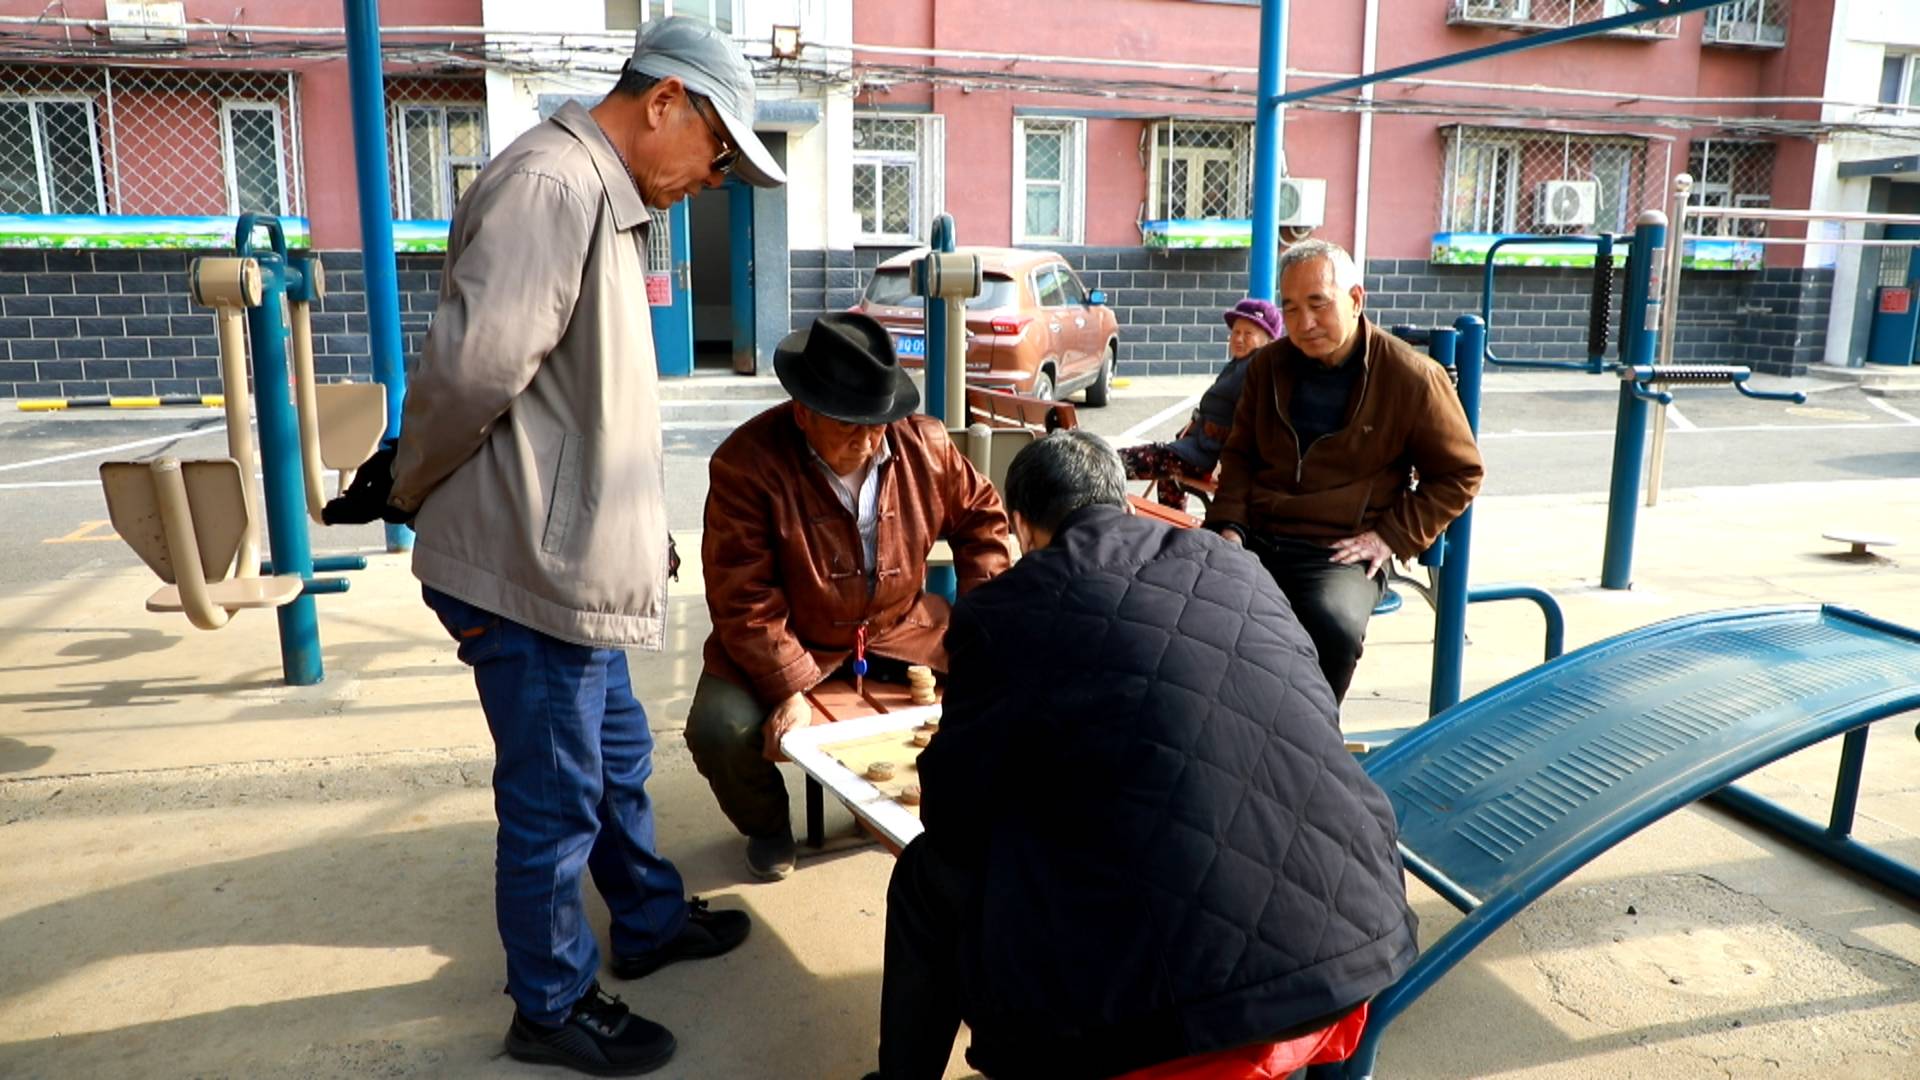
1503	796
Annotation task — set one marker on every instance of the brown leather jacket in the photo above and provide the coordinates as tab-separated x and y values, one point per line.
1404	417
783	560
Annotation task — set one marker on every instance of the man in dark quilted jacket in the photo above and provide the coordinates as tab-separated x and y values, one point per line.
1145	839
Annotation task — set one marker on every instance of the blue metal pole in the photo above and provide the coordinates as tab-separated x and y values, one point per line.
1556	620
1450	595
1442	342
1638	346
740	240
280	463
936	320
941	580
376	219
1265	251
1846	788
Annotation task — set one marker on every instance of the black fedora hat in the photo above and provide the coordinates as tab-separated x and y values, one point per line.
843	367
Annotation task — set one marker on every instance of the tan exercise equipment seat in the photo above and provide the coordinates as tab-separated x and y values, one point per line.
188	520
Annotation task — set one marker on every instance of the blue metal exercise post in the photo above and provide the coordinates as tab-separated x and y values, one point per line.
1505	795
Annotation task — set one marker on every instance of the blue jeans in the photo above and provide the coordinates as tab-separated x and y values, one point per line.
572	754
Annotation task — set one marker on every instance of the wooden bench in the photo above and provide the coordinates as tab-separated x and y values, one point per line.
997	408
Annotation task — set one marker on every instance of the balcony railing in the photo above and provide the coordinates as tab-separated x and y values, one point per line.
1755	24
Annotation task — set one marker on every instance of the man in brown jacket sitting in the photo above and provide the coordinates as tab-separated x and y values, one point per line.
1317	478
820	515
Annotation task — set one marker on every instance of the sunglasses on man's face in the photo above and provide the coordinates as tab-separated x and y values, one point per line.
729	155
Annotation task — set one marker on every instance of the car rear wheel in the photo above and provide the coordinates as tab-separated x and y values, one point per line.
1102	384
1042	385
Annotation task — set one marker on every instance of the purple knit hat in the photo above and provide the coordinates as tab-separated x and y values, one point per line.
1261	314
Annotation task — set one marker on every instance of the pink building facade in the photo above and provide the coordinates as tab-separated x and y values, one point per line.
1120	134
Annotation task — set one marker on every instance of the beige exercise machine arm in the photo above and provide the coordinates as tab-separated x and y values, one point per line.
230	286
170	492
305	406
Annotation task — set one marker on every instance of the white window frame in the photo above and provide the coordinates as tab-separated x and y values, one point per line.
1622	186
444	196
1240	156
645	13
1073	187
42	169
928	189
230	162
1501	219
1909	73
1710	192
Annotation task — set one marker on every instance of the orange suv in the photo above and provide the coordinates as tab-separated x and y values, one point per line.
1034	329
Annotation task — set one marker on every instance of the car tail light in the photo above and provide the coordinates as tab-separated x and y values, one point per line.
1010	324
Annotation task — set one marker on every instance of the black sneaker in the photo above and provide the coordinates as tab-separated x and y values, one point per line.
707	933
600	1036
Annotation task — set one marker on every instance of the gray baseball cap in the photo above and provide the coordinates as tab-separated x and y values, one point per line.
711	66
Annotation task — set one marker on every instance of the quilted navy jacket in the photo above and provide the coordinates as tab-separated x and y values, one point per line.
1142	763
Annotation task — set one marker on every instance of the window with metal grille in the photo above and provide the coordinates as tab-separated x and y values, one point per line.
442	150
1048	162
256	182
1539	14
628	14
1200	170
660	242
894	176
1760	23
148	141
1730	172
50	157
1510	180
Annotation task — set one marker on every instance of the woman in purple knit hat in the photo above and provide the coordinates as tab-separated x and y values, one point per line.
1196	450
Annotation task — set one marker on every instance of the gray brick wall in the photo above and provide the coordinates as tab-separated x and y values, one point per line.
76	323
81	323
1773	320
1169	306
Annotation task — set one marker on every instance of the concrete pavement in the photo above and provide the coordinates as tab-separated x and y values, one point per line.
209	874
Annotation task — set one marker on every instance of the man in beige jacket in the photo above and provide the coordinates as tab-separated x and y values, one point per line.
530	463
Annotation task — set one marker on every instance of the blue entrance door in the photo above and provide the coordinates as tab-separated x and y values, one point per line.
669	290
1896	305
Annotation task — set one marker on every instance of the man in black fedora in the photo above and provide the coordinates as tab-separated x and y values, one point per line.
820	514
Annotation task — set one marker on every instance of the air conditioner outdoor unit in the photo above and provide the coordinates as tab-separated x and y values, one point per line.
1302	202
1567	202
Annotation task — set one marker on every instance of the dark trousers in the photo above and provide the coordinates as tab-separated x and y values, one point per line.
929	899
1332	601
724	732
920	1006
572	754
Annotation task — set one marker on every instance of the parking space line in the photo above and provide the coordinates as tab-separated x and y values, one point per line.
1881	404
87	533
1136	432
1678	420
29	484
135	445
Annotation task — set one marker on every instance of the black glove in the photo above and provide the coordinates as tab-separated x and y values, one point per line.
673	560
365	500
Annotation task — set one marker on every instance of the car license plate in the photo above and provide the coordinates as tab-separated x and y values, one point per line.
910	345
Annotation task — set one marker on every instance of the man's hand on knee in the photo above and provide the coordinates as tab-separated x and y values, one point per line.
792	713
1367	549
